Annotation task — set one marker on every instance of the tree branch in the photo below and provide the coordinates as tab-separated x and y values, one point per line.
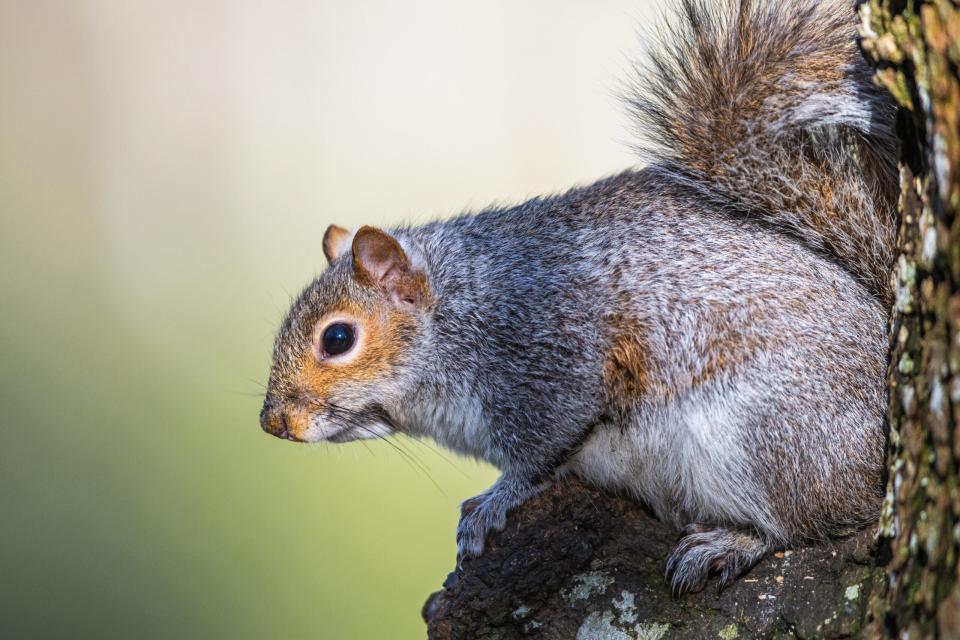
578	563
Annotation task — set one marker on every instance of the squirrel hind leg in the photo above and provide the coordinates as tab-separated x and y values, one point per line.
704	551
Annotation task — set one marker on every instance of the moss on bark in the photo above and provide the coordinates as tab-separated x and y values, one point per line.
916	47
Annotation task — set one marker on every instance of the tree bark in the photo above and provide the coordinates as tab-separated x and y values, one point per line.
916	46
578	563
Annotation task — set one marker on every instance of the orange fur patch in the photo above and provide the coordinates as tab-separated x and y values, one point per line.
630	372
298	421
723	352
379	347
627	369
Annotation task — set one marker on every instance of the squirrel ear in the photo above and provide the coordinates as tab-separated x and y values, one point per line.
336	240
378	259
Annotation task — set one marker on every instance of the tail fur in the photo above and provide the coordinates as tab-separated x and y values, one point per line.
769	108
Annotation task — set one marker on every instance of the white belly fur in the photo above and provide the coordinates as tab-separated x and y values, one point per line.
685	461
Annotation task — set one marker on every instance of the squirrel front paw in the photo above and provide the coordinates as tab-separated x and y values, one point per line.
478	516
488	512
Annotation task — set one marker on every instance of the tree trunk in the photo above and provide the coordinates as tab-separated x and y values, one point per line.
916	46
578	563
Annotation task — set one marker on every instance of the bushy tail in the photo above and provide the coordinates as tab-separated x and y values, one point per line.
769	107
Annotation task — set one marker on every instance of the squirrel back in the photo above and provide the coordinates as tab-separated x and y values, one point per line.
769	109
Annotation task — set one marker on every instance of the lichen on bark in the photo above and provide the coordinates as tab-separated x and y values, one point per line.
916	48
576	562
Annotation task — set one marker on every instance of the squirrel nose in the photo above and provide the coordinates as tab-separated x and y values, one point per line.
274	421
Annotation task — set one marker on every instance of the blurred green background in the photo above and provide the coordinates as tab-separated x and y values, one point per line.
167	170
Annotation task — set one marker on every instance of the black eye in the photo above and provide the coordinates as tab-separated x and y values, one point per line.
337	338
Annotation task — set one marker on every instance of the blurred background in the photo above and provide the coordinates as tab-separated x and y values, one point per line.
167	170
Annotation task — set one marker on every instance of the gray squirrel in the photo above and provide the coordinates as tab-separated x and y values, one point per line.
707	334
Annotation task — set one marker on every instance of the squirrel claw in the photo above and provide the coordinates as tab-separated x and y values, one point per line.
703	551
480	516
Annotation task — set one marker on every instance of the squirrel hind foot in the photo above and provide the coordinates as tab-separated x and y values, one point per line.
703	551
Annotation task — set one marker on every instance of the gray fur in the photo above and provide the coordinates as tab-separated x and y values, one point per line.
749	394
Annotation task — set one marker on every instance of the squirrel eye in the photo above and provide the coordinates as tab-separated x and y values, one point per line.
338	338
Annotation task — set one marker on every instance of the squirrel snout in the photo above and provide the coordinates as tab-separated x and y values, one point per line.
274	421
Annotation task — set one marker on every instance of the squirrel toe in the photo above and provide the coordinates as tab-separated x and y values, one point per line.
702	552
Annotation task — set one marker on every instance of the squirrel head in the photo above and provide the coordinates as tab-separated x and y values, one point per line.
342	351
